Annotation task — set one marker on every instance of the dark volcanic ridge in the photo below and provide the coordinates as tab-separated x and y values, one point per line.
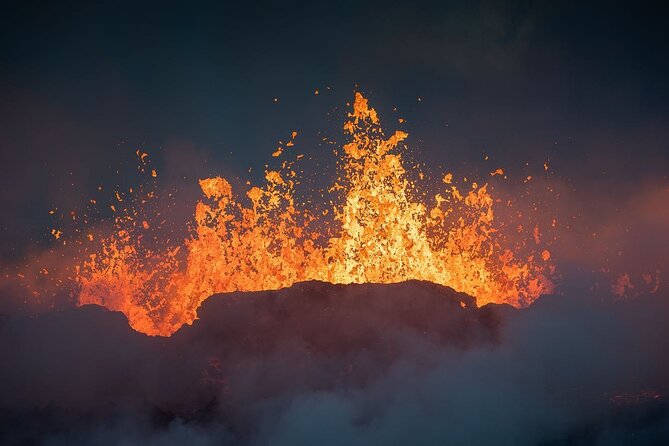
407	363
339	318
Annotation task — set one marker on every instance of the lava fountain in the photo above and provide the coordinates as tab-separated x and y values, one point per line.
379	233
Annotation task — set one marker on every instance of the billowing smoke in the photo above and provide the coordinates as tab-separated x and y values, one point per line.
411	363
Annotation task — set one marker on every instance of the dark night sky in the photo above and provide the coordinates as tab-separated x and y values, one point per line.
82	85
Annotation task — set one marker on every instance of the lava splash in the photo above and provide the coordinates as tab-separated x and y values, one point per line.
381	231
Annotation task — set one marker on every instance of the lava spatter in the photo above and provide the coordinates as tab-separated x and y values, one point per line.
379	233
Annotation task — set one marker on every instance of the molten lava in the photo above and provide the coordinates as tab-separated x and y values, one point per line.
379	232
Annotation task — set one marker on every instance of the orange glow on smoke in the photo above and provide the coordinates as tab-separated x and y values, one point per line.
379	233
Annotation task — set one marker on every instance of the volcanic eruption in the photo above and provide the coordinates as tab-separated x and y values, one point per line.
384	230
274	313
427	223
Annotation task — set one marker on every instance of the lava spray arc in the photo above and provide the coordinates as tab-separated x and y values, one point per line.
381	232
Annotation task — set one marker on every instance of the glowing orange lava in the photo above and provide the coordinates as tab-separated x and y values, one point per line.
379	233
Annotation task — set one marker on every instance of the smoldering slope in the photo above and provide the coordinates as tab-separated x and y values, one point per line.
411	363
